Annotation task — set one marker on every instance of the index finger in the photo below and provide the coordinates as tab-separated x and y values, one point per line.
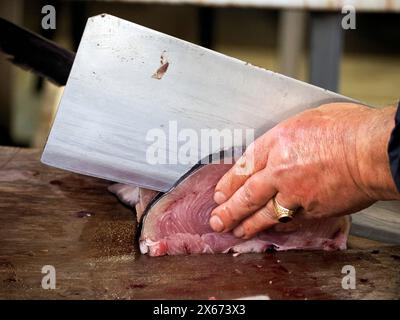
254	194
253	160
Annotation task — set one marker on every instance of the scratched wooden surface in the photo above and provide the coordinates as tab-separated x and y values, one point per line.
52	217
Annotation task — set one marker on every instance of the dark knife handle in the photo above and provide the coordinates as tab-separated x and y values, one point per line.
31	51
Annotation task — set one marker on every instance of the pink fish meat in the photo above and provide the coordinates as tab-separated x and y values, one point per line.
177	222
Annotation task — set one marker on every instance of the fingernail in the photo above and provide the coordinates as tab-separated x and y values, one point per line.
216	224
219	197
238	232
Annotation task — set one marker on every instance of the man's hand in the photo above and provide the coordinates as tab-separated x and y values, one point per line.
327	161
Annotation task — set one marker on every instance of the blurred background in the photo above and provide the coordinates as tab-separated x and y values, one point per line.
306	42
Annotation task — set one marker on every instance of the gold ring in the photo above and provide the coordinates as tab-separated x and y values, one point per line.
283	214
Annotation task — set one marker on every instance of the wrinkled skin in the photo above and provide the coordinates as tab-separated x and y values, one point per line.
328	161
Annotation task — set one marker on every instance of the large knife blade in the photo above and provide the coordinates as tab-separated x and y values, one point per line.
128	82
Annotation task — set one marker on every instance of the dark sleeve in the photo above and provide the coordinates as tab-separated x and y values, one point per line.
394	150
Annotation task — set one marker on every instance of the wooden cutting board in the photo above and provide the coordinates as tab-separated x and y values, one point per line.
52	217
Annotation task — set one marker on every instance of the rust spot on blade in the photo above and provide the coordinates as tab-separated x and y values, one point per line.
163	67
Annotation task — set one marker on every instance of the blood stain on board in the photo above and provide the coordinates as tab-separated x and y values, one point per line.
136	286
84	214
55	182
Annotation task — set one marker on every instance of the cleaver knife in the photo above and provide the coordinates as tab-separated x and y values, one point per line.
130	87
33	52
